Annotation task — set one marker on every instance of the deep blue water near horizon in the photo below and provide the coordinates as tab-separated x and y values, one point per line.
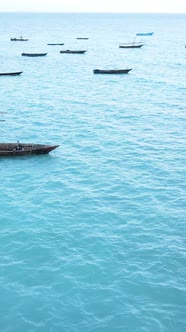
92	235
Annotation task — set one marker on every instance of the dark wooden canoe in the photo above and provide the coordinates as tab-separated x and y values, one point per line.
22	149
112	71
131	46
56	44
33	54
73	52
18	39
11	74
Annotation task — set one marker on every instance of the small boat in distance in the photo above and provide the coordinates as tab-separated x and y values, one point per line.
73	52
22	149
131	45
19	39
145	34
111	71
85	38
56	44
33	54
11	73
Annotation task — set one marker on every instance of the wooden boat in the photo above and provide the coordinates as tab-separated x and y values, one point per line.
133	45
56	44
33	54
73	52
22	149
85	38
11	74
19	39
112	71
145	34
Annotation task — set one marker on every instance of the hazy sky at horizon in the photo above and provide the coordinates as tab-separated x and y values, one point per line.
120	6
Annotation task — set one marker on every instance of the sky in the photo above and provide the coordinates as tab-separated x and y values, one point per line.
117	6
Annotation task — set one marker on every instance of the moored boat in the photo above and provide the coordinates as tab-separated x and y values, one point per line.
111	71
144	34
19	39
131	45
33	54
11	73
73	51
85	38
55	44
22	149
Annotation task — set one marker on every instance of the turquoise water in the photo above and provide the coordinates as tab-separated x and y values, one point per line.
92	235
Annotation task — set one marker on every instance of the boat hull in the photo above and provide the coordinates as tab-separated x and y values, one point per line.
72	52
56	44
145	34
33	54
119	71
18	39
131	46
11	74
22	149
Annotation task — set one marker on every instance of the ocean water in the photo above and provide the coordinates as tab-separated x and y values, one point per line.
92	236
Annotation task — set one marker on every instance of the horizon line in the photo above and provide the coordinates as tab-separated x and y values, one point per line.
80	12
